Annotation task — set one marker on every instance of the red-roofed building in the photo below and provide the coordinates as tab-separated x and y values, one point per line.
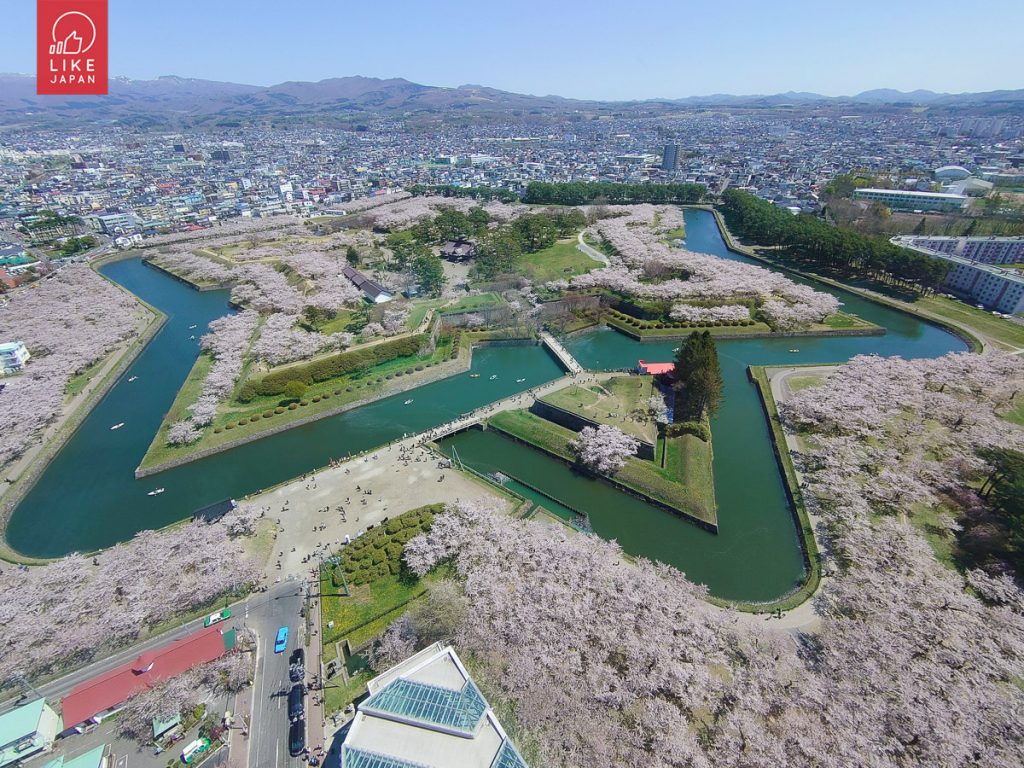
654	369
106	693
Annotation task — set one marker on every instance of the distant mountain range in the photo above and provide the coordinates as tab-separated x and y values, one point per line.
171	99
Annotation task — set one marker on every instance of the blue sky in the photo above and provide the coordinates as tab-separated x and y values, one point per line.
595	49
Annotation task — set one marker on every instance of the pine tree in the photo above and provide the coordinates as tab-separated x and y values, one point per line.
698	377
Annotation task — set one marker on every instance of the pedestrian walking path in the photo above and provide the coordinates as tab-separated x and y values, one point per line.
571	363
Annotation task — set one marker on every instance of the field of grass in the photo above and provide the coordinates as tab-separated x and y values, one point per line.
325	396
1016	414
680	333
796	383
620	396
561	260
420	307
842	321
691	493
1004	333
77	382
478	301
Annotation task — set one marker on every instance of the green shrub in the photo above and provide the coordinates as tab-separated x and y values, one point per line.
267	414
218	430
229	426
408	371
317	399
292	406
419	367
339	364
303	403
279	409
338	391
393	526
697	428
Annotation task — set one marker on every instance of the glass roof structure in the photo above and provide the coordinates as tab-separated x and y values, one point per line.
450	710
360	758
508	757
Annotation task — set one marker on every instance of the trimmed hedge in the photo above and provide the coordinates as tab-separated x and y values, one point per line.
274	383
378	552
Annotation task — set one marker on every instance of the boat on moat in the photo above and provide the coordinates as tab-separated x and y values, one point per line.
407	402
156	491
132	378
117	426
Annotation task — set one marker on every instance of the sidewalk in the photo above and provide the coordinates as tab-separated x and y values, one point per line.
241	719
315	725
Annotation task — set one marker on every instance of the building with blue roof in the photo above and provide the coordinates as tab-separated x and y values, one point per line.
27	730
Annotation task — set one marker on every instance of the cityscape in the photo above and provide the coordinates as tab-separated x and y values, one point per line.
368	419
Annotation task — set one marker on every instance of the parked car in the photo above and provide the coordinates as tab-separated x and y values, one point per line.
281	644
216	618
296	704
297	665
297	738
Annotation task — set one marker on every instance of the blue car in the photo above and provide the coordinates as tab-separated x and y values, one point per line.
282	640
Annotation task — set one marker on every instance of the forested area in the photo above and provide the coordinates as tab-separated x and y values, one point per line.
583	192
823	247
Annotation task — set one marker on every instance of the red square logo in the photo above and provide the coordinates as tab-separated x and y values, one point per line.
71	47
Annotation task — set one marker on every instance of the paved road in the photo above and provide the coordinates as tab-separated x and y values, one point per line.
268	741
592	252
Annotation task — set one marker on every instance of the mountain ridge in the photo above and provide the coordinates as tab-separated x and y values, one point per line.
173	96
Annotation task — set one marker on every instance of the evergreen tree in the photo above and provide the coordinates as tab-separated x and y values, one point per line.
698	377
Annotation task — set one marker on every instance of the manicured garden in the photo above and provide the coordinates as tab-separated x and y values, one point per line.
368	589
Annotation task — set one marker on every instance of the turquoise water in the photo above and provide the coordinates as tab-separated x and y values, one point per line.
755	555
88	498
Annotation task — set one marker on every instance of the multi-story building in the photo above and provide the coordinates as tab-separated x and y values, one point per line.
13	356
670	158
987	250
905	200
994	287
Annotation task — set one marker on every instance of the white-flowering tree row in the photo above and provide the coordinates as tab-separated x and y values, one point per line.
227	342
73	609
68	322
408	212
648	268
609	662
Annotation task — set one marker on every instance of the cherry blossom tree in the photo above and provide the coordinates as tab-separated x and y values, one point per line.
75	608
68	322
604	449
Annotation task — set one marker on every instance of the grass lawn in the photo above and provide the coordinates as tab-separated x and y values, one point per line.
675	234
1016	414
338	323
619	395
1005	333
682	485
420	307
598	243
797	383
842	321
369	384
357	616
682	333
77	382
561	260
478	301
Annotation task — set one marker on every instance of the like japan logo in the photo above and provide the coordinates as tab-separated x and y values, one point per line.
72	47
